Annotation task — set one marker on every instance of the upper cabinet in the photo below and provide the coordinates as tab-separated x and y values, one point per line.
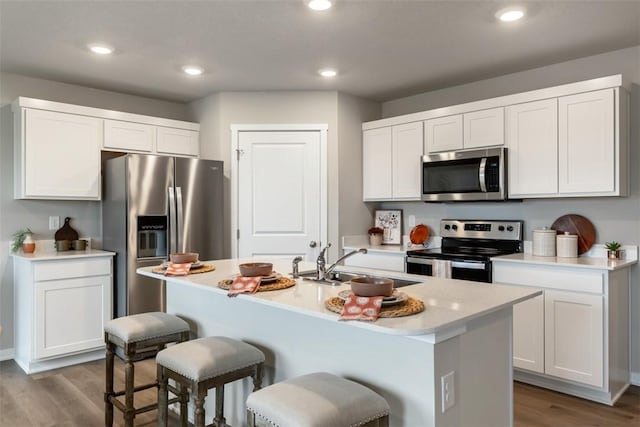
57	146
563	141
391	162
57	156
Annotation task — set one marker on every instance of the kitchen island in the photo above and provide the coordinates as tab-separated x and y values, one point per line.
462	338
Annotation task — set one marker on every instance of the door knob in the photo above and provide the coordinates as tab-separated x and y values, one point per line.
313	244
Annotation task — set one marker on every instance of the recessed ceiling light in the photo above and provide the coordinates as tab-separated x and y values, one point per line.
319	4
193	70
100	49
510	14
327	72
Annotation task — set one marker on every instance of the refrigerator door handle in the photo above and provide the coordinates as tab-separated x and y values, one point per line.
180	222
172	220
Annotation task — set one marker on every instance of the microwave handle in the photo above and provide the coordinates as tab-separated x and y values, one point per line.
481	175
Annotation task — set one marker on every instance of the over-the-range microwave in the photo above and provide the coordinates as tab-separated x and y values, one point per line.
461	176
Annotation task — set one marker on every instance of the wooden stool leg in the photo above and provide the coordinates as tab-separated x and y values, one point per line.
199	413
129	412
384	421
219	419
108	391
163	397
184	400
257	377
251	419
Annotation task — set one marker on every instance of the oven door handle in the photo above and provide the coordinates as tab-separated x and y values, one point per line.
468	265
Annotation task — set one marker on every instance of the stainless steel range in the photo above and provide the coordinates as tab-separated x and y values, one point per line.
467	247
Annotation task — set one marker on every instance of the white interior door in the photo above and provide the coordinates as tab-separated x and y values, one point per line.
280	194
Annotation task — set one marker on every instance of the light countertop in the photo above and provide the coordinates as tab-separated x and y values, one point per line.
450	304
356	242
48	256
599	263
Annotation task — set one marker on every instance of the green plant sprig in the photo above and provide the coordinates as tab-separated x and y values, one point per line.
18	238
613	246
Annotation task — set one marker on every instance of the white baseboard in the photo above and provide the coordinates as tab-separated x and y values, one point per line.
635	378
6	354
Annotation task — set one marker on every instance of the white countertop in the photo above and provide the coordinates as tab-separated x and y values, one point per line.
48	256
357	242
450	304
580	262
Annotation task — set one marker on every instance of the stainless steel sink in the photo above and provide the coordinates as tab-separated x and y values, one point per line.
337	277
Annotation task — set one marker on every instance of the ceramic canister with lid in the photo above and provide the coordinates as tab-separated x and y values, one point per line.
544	242
567	245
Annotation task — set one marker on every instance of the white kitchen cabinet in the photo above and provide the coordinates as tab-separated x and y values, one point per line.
528	334
532	142
484	128
586	143
61	306
175	141
443	134
376	259
128	136
391	162
57	155
576	338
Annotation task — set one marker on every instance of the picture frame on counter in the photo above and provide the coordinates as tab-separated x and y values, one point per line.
390	220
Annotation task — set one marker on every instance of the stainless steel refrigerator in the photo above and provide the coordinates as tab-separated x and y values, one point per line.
153	206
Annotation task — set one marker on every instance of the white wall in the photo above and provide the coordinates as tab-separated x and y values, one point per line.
216	113
17	214
614	218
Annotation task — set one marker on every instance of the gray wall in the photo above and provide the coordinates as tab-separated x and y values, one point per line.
216	113
614	218
17	214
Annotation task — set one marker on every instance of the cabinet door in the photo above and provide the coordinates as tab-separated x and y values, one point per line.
128	136
177	141
528	334
443	134
407	142
484	128
574	347
376	164
62	156
586	142
71	314
532	141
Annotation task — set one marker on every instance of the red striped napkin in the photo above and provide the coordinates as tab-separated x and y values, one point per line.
244	285
361	308
177	269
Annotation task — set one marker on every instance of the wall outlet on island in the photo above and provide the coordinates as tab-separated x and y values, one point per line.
448	391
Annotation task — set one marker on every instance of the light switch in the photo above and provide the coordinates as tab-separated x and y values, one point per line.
54	222
412	220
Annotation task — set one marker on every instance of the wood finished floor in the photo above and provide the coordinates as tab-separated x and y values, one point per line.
72	397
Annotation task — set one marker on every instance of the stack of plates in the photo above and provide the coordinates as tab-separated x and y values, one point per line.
396	298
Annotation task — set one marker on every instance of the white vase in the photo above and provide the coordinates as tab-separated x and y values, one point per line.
28	244
375	239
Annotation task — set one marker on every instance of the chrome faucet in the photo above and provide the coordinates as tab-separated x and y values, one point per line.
323	272
321	262
294	267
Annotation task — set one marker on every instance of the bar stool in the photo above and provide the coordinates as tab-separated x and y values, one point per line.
317	400
203	364
139	336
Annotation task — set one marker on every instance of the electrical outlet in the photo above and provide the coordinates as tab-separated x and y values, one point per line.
412	220
54	222
448	391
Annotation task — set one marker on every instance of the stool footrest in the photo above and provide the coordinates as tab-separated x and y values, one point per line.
136	389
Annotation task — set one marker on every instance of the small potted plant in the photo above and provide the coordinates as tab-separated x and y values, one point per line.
23	239
613	250
375	236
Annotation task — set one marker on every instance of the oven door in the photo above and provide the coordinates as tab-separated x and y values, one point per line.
477	271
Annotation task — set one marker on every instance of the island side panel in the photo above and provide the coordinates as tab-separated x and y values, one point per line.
400	368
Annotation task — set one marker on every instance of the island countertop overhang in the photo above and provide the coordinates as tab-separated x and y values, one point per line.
450	303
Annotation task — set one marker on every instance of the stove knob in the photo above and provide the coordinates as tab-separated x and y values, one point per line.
447	227
454	227
510	228
501	228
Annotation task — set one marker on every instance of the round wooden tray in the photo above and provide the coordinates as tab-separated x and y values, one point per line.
204	268
407	308
276	285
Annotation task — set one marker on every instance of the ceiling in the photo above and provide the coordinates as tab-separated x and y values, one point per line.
383	49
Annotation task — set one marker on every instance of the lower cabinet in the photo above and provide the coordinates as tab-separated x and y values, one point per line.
575	337
61	309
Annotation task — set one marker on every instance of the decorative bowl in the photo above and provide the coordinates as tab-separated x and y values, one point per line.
251	269
184	257
372	286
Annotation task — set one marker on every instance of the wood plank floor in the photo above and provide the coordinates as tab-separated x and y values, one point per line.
72	396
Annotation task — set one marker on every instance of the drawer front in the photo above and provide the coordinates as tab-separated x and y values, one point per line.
552	278
67	269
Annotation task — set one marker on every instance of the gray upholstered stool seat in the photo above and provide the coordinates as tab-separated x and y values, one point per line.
139	337
317	400
203	364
